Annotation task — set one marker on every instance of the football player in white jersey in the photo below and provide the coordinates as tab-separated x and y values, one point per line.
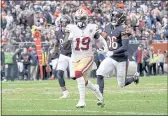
82	37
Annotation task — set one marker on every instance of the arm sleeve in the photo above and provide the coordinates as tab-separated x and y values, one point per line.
68	33
57	41
67	38
97	35
123	48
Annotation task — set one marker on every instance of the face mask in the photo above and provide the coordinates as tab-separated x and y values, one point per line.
63	29
81	24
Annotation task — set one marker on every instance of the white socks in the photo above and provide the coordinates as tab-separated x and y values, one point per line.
81	88
91	86
95	88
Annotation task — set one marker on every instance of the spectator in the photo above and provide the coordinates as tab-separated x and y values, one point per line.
47	15
149	19
160	62
164	11
159	31
146	59
144	7
19	64
138	56
46	73
165	34
34	64
9	19
25	58
3	23
2	64
10	60
165	21
152	62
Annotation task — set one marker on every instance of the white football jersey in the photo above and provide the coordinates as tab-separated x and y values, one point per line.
82	40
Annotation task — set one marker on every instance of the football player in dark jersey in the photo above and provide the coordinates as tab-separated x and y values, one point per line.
64	61
117	35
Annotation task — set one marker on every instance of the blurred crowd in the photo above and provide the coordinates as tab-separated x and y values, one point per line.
150	62
20	19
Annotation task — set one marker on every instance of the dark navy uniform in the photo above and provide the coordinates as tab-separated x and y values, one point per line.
117	40
63	49
117	59
116	43
64	61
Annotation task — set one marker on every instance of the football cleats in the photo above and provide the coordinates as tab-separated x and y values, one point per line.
65	95
81	18
80	104
117	18
136	78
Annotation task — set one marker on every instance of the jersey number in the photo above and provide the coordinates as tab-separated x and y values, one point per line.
85	42
61	42
112	43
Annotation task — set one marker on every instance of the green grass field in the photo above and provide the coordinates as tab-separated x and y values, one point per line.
149	97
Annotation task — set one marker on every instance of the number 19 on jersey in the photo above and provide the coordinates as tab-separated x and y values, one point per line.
82	43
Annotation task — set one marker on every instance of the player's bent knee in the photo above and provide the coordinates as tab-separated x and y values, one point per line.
78	74
60	74
100	77
99	72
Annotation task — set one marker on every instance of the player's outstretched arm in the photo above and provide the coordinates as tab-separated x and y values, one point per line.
100	42
66	37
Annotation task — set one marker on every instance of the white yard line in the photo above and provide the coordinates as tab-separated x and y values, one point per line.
16	84
14	99
45	91
138	91
109	90
89	111
151	84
